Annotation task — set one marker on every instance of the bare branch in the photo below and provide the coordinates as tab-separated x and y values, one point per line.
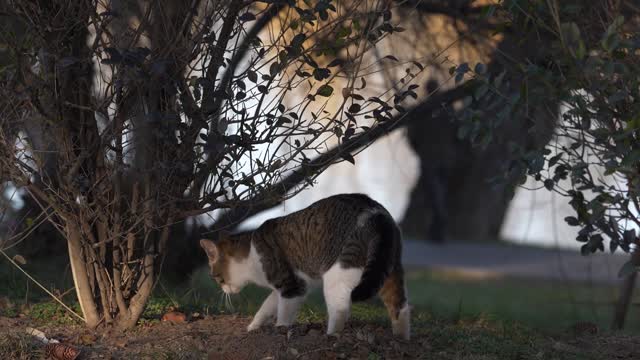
279	191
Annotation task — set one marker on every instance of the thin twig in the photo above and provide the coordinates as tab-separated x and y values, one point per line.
41	286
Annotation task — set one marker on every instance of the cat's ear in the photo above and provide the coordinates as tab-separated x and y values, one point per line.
211	249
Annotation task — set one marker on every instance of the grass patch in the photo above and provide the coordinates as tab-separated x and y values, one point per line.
455	318
550	307
545	306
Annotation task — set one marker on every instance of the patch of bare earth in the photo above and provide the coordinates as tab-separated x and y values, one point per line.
225	337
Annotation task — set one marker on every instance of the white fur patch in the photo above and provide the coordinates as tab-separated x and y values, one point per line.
338	283
246	270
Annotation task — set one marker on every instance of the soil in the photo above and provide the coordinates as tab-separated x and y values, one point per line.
224	338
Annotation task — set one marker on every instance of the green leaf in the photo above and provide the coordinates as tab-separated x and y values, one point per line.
554	160
274	69
335	62
325	90
549	184
354	108
321	73
246	17
343	32
298	40
585	250
253	77
572	221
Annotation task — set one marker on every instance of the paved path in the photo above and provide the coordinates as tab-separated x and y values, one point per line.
509	260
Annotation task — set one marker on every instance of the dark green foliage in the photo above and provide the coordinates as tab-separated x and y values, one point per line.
594	157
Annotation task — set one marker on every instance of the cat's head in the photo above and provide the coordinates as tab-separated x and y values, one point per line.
227	258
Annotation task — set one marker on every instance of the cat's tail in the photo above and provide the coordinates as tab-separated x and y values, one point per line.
381	257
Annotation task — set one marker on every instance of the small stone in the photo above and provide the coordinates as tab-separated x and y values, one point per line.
294	351
196	316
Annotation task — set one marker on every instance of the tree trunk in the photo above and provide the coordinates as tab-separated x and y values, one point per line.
626	292
104	294
455	199
81	277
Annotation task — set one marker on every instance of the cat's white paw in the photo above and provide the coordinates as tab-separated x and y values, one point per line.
253	327
402	326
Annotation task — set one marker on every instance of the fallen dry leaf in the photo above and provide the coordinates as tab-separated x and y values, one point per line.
584	327
19	259
87	339
121	343
174	317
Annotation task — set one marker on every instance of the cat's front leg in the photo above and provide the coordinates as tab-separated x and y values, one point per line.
266	312
288	309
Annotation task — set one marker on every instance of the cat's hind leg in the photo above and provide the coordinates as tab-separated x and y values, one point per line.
338	282
266	312
394	296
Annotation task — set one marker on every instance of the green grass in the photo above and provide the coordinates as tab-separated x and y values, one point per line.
459	318
546	306
550	307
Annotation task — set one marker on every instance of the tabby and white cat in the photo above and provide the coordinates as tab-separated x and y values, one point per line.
348	243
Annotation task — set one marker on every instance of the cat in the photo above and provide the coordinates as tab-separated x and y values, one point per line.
347	243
